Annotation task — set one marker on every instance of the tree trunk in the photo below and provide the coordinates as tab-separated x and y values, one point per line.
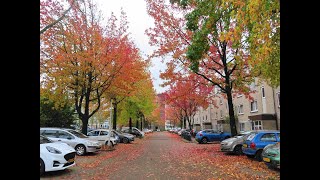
141	125
137	124
84	120
130	125
231	113
114	121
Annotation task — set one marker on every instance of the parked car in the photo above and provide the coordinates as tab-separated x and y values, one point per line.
180	131
234	144
256	141
210	135
55	156
271	155
135	131
146	130
75	139
124	137
101	136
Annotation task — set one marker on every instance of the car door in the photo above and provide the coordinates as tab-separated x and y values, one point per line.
266	139
216	135
103	136
94	135
209	135
66	138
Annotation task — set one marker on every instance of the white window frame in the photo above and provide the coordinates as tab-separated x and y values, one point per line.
240	105
239	95
221	114
221	101
256	107
258	126
216	115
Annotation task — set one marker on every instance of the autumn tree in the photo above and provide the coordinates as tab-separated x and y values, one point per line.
206	40
51	13
186	96
259	19
140	105
82	58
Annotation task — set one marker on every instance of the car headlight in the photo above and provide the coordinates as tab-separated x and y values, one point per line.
53	150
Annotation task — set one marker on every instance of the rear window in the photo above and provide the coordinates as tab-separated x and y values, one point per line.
251	136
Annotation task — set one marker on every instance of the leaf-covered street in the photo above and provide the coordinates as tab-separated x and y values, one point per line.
162	155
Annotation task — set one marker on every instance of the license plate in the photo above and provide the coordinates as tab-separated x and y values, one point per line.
245	145
266	159
71	160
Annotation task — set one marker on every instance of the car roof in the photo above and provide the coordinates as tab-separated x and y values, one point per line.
55	128
265	131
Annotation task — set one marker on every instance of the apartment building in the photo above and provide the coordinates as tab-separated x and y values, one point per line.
214	116
260	113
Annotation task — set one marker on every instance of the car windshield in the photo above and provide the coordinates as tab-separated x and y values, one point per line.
44	140
78	134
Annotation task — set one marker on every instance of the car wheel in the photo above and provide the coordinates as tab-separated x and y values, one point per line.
125	140
237	150
80	149
111	143
204	140
258	155
41	167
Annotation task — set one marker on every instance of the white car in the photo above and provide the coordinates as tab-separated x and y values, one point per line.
55	156
101	136
75	139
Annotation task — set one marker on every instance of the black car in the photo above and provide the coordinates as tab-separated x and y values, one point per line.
124	137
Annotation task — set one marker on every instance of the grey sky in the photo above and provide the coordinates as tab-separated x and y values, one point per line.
139	21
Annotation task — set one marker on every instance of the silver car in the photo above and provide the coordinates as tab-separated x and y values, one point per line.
234	144
75	139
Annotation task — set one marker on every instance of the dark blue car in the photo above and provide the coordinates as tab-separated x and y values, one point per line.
210	135
256	141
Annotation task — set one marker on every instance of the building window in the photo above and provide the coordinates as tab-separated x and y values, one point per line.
262	91
219	127
221	114
216	115
256	125
239	95
240	109
254	106
241	125
278	95
220	101
206	117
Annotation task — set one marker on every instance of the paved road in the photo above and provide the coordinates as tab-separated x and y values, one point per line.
164	156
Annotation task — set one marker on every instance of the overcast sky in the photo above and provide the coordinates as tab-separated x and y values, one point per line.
139	21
